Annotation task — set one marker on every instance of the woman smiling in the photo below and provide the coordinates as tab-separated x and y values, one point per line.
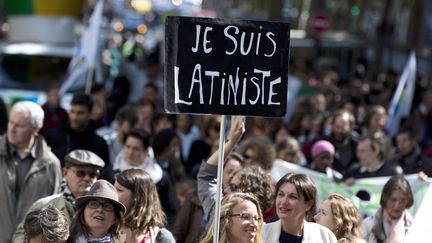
295	205
240	220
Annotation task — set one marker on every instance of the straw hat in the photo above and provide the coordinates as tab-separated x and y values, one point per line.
101	189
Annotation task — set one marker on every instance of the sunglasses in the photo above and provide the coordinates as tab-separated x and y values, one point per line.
83	173
106	206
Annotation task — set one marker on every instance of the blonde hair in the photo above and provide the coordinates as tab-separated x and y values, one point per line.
351	240
227	205
346	217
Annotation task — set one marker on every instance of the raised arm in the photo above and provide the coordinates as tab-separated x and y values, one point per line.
207	175
236	132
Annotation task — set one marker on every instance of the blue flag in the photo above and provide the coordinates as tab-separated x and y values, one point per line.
84	57
402	99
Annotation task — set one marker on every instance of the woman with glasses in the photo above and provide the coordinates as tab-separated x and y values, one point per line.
99	215
341	216
295	203
240	220
145	220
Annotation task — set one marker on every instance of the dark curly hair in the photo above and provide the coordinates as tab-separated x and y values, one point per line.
254	180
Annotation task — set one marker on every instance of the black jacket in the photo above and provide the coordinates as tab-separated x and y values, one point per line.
387	169
64	139
414	162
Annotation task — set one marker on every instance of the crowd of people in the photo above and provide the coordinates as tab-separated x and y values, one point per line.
119	170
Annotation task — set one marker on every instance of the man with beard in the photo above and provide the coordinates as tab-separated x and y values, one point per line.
344	139
79	133
392	221
81	170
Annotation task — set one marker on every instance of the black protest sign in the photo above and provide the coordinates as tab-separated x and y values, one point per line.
228	67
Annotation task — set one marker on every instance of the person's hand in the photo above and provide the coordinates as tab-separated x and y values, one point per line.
422	176
350	181
237	128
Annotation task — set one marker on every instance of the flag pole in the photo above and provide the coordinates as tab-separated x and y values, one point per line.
219	179
89	82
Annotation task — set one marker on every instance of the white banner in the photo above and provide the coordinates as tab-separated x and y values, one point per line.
369	188
419	231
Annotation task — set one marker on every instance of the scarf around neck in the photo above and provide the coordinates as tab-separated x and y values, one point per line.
64	188
149	165
105	239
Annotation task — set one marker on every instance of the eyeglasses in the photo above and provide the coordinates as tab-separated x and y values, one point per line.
233	187
83	173
106	206
247	217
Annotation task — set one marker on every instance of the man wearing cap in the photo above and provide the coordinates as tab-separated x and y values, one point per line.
82	167
28	169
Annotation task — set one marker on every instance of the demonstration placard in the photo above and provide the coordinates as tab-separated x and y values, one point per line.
227	67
